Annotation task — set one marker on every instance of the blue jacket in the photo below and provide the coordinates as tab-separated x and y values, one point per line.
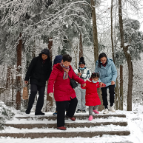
108	73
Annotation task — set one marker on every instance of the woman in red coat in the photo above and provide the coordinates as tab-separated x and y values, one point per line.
92	98
59	83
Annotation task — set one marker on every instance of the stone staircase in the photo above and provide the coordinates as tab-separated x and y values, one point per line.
45	126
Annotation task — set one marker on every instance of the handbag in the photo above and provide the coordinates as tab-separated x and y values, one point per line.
73	83
25	93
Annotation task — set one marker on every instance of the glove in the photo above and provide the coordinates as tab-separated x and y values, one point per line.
51	94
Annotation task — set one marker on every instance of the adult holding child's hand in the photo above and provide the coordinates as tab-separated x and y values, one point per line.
108	74
60	84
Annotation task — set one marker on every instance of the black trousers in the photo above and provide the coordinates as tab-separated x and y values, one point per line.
67	107
104	95
61	105
40	102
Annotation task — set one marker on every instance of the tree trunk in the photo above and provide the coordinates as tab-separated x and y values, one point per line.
113	57
121	23
121	87
50	44
128	58
18	78
112	31
76	51
130	80
8	99
95	35
49	99
95	42
117	102
8	77
12	92
80	47
25	102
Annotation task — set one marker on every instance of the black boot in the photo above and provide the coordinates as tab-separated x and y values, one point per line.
39	113
27	112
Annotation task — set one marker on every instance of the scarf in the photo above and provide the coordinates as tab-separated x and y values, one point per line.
65	73
104	65
43	61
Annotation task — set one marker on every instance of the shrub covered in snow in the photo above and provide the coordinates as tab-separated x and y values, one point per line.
5	114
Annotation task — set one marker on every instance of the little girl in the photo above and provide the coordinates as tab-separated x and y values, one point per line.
92	98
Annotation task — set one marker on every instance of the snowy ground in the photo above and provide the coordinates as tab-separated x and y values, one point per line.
134	119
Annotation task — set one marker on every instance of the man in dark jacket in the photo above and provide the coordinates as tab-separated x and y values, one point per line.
38	72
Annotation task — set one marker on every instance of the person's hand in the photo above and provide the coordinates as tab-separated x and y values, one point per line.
84	85
26	82
51	94
112	82
101	83
79	74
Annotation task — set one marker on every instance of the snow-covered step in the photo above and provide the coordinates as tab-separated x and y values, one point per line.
31	126
78	116
97	139
77	129
23	121
70	132
64	134
70	124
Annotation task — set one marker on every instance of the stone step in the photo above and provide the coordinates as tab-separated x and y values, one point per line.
69	125
80	117
65	134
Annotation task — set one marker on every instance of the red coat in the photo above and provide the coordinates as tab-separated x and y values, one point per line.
92	98
61	87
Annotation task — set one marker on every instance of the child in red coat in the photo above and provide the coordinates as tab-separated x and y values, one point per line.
92	98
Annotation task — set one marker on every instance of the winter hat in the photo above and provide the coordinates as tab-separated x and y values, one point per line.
46	52
58	59
82	61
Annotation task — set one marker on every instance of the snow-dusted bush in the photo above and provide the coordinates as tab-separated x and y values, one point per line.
5	114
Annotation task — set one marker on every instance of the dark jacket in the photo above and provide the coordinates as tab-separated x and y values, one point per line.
58	59
39	71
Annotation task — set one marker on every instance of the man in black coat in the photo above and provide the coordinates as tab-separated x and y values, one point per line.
38	72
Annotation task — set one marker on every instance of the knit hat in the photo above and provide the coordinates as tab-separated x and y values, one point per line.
46	52
58	59
82	61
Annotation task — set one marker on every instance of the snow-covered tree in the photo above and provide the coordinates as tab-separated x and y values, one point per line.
133	39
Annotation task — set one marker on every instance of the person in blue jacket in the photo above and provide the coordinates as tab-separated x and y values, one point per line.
108	74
